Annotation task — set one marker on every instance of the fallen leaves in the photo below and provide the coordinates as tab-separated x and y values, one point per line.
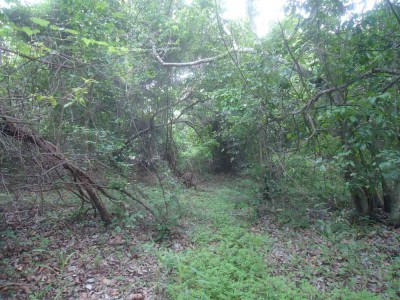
136	297
86	262
7	286
347	259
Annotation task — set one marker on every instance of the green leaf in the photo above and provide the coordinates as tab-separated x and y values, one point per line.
40	21
4	31
29	31
353	119
54	27
24	48
101	43
87	41
71	31
52	101
80	100
69	103
112	49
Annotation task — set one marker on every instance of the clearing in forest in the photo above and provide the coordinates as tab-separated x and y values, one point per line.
224	248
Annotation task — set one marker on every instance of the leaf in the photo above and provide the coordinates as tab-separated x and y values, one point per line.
71	31
52	101
40	21
29	31
118	15
24	48
54	27
102	43
87	41
80	100
4	31
112	49
69	103
353	119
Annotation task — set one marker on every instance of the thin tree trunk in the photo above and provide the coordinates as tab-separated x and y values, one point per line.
394	217
387	197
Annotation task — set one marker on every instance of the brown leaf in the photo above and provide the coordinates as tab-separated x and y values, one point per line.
136	297
83	296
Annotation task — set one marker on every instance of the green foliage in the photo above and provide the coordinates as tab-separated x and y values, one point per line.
228	261
196	149
310	111
230	271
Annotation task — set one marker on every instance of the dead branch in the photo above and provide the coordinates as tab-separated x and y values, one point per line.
186	95
55	157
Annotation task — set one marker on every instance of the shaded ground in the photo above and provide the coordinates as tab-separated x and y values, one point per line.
357	258
223	251
74	260
295	253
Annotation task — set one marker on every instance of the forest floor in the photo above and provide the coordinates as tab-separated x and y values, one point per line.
227	246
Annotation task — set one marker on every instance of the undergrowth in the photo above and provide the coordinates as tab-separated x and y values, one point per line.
228	260
219	241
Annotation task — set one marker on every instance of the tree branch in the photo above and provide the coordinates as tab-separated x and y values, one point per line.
393	11
134	136
196	62
314	99
38	59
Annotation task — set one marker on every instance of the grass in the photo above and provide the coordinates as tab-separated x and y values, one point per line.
230	260
227	246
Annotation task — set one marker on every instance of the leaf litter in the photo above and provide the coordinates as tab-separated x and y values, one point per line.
83	260
75	260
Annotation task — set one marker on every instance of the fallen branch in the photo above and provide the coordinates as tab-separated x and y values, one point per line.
85	183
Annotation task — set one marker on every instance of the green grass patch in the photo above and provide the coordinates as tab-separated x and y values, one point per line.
228	261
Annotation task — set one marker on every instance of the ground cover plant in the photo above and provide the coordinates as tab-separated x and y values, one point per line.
168	149
219	252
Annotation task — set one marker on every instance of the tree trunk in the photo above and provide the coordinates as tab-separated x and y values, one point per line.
360	199
387	197
364	198
56	158
394	217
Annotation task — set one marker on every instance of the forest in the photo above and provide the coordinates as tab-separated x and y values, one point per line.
158	149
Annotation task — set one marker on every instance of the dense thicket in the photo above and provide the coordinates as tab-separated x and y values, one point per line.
127	86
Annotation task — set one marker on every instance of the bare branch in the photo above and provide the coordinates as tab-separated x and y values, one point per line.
314	99
134	136
196	62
